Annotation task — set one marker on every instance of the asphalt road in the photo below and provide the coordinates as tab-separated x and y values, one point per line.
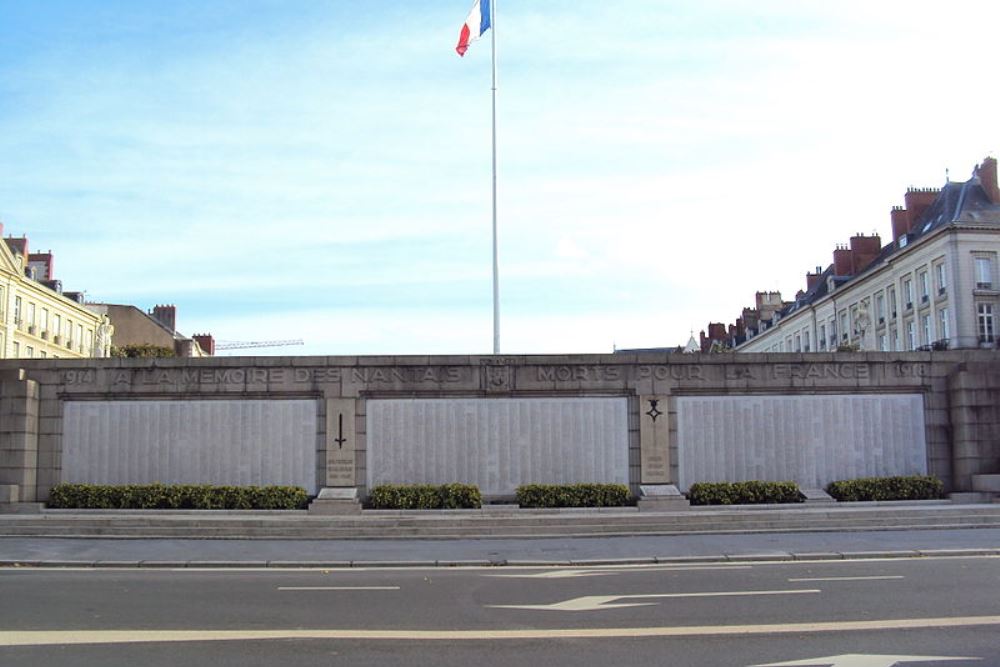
711	614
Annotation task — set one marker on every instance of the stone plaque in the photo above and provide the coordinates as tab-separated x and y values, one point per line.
812	440
231	442
497	443
340	438
654	442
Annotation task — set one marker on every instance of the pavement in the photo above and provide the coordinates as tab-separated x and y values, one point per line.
851	537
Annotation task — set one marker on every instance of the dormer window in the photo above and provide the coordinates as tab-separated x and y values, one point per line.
902	241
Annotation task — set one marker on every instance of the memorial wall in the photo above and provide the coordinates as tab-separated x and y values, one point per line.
352	422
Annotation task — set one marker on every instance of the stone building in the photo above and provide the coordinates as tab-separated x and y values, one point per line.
37	318
935	286
132	326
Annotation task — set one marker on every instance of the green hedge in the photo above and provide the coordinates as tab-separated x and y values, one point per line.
572	495
744	493
177	496
425	497
915	487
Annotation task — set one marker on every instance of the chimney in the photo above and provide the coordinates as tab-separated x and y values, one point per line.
41	262
900	222
206	342
812	279
843	261
917	201
864	249
987	173
166	315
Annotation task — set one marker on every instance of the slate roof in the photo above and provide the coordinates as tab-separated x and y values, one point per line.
958	203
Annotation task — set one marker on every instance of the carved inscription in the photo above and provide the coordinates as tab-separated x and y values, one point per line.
821	371
685	372
579	373
264	376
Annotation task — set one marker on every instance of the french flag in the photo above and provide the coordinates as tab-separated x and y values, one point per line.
477	24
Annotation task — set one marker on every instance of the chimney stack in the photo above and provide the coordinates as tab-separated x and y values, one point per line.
206	342
812	279
864	250
987	173
843	261
166	315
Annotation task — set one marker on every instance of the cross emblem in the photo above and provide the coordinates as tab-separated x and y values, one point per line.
654	412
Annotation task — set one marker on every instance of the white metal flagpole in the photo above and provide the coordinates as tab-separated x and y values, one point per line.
496	270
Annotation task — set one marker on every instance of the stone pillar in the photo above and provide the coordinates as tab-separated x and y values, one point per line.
974	397
18	438
657	492
340	492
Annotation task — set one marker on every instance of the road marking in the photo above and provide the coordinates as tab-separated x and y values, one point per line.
864	660
569	574
69	637
338	588
600	602
873	578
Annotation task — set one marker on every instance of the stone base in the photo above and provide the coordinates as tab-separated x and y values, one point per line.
661	498
970	497
332	501
986	483
817	496
9	493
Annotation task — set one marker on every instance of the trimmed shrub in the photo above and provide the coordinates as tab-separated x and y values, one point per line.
914	487
142	351
425	497
177	496
572	495
744	493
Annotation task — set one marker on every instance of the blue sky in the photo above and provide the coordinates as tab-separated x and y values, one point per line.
321	170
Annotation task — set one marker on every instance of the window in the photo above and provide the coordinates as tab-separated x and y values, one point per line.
56	324
911	336
892	301
925	329
31	314
880	307
45	321
30	351
925	286
883	343
805	341
79	334
941	276
17	349
42	354
987	328
3	305
17	311
908	293
984	273
798	343
822	336
893	339
943	324
843	325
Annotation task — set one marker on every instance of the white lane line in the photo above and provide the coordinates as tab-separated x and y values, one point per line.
873	578
602	602
69	637
338	588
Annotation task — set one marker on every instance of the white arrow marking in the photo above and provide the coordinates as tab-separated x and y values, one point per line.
555	574
860	660
597	602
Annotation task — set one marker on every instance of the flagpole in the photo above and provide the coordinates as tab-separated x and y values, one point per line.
496	270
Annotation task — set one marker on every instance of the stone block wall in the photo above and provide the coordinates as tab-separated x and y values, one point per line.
974	393
19	459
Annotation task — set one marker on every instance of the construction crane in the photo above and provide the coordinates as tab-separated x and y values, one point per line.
244	344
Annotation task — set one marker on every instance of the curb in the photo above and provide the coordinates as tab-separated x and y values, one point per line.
426	564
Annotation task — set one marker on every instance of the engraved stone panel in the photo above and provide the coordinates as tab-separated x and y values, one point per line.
341	461
654	442
812	440
497	443
232	442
